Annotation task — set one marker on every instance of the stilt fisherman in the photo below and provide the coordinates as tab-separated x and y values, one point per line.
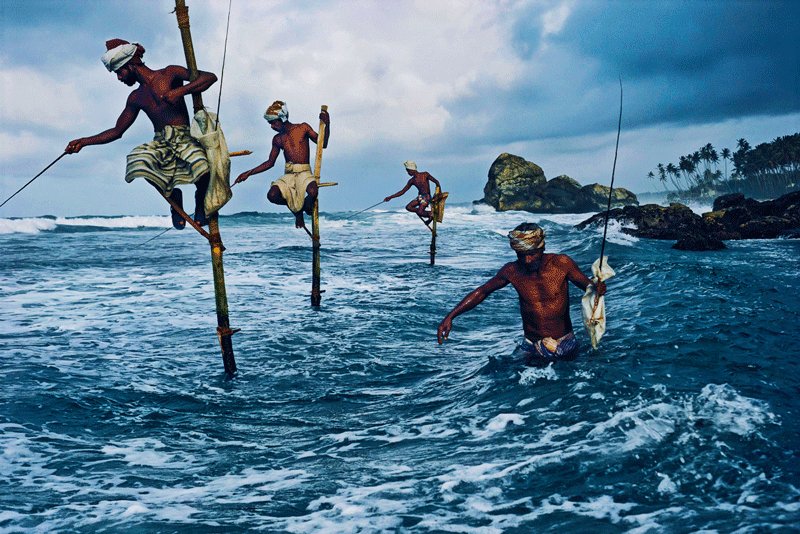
296	189
174	157
422	181
541	281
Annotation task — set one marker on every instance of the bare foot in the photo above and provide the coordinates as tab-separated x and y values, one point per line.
178	222
298	220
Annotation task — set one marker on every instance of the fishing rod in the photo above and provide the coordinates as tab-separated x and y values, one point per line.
365	209
32	179
613	170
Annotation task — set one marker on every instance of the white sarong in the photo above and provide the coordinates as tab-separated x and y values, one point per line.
293	184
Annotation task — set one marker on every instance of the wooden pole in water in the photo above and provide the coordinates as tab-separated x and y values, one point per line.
433	239
316	294
224	331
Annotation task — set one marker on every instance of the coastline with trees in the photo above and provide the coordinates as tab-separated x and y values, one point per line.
765	171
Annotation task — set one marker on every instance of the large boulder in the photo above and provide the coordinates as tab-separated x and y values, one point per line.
596	197
512	183
517	184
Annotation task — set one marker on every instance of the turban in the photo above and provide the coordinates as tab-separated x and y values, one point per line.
277	110
410	165
119	53
527	240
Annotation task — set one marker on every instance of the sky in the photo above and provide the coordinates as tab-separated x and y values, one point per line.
450	84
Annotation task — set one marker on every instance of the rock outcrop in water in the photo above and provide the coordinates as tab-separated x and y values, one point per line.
734	217
517	184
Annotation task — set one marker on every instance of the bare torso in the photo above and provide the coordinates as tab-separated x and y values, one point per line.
149	97
544	295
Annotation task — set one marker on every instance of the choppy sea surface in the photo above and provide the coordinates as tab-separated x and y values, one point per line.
116	415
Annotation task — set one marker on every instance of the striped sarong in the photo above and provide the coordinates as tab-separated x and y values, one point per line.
567	347
172	158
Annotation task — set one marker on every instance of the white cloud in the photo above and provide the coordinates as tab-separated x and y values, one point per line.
19	145
553	20
388	71
32	97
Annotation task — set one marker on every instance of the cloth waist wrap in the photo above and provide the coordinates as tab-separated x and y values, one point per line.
293	184
172	158
566	346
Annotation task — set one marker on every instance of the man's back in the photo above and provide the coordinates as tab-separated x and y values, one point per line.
421	180
294	142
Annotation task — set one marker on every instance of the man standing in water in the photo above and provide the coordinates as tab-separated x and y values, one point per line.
174	157
541	283
298	182
420	180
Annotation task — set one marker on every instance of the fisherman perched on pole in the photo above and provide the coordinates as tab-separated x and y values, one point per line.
297	189
174	157
541	283
420	180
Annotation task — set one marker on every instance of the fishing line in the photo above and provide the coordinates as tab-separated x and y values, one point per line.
613	170
224	55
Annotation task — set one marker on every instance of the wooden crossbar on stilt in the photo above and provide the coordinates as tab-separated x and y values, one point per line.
316	293
224	331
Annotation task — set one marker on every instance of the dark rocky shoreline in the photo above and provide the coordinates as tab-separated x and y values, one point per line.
733	217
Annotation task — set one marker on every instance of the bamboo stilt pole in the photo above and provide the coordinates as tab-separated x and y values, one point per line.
224	331
316	294
433	241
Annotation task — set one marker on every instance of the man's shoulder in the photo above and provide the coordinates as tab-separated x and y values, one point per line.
172	68
509	268
559	260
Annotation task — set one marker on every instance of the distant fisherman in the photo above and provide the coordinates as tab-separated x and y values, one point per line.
174	157
541	283
420	180
298	182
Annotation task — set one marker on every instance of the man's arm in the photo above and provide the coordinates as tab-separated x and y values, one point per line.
477	296
126	118
273	156
434	180
203	81
324	117
577	277
401	192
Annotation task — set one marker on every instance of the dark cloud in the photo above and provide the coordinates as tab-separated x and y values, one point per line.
681	63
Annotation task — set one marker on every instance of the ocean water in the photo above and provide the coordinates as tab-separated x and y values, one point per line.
116	416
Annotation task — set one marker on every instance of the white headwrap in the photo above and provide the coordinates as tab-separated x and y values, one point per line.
118	57
277	110
410	165
526	240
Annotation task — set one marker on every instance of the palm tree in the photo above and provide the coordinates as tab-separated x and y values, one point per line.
726	155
